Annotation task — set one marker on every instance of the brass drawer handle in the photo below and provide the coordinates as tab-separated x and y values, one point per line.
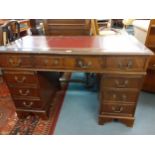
122	85
54	62
24	93
28	104
114	96
20	80
81	64
130	64
124	97
120	65
15	62
46	62
125	66
117	109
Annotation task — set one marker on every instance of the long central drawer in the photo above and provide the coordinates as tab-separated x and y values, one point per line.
70	62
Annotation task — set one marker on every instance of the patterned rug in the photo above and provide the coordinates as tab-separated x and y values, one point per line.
31	125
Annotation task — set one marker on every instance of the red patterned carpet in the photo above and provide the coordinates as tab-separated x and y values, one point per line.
10	124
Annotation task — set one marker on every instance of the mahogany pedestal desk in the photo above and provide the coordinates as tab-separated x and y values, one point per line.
120	60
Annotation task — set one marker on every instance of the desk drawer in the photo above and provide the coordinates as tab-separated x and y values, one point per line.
122	95
49	62
28	104
123	63
20	78
24	92
122	81
118	109
15	61
84	63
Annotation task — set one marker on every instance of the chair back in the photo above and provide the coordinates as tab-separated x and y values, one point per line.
10	31
67	27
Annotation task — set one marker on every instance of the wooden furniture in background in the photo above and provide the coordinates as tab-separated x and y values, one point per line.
94	27
121	66
24	26
117	23
149	82
10	29
103	23
68	27
36	26
33	27
64	27
2	21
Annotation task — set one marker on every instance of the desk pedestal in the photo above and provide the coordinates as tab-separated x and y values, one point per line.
118	97
32	92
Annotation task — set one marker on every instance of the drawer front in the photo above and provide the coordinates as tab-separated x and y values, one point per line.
24	92
117	109
49	62
122	81
126	63
20	78
84	63
15	61
28	104
123	96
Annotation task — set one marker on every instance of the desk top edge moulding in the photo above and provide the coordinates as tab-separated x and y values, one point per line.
90	45
120	60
